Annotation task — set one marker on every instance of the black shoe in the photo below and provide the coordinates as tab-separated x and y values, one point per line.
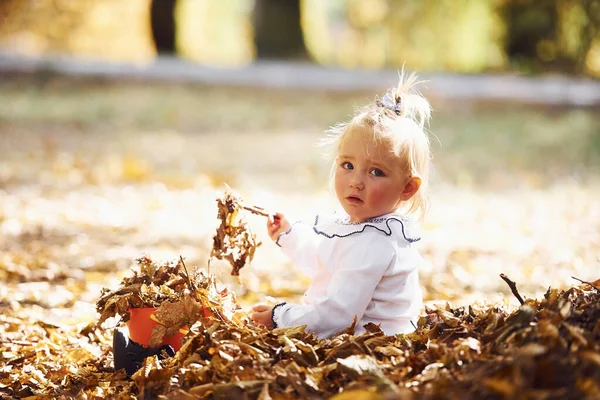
130	355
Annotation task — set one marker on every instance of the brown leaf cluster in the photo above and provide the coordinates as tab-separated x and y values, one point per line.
29	257
546	349
181	299
233	241
48	361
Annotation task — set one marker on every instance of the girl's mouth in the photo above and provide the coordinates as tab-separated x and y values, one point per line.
353	200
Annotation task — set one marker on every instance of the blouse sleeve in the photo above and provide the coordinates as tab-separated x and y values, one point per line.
300	244
358	270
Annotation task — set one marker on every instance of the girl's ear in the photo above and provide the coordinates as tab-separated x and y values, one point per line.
410	188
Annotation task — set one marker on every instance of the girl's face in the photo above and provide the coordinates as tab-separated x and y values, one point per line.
369	181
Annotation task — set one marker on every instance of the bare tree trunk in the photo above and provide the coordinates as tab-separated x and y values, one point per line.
277	30
528	23
162	19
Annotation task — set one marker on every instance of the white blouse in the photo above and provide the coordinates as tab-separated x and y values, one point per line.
368	270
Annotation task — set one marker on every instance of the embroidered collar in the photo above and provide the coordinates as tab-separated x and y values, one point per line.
339	225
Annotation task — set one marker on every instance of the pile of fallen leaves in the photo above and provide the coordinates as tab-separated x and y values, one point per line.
51	361
180	299
548	348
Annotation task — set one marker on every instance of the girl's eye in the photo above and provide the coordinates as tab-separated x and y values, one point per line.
347	165
377	172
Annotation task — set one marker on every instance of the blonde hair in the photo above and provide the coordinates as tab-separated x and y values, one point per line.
398	118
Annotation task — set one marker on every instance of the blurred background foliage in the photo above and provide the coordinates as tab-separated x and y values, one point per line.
468	36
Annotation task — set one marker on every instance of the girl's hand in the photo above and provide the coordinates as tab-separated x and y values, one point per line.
277	224
262	315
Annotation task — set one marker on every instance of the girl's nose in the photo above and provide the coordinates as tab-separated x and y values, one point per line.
357	183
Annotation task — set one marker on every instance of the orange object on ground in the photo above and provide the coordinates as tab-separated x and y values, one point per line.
141	324
142	321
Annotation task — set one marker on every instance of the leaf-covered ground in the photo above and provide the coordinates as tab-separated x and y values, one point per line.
93	175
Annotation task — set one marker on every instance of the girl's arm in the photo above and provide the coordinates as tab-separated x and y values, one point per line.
358	270
298	241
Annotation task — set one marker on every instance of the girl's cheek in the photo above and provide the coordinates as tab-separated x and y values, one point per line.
377	193
374	193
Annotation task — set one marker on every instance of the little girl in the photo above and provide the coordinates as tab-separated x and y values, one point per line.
362	262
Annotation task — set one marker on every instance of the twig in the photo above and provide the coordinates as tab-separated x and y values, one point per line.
513	288
253	209
587	283
256	210
187	276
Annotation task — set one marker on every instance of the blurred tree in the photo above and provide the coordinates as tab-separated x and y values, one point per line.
277	31
555	35
589	56
162	19
452	35
213	32
529	23
109	29
39	25
531	36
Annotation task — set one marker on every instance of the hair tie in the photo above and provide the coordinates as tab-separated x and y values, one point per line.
389	102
